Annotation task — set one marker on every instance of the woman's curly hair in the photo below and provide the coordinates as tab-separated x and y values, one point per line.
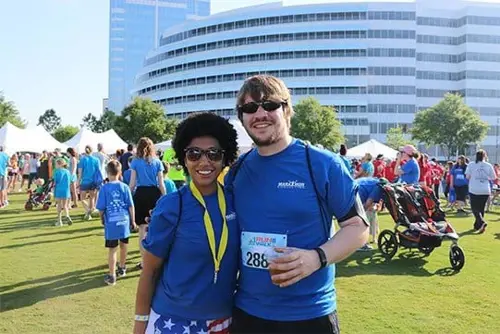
206	124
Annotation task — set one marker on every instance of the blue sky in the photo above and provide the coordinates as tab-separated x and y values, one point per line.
54	54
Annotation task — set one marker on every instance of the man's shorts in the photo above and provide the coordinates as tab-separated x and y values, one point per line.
88	187
2	183
114	243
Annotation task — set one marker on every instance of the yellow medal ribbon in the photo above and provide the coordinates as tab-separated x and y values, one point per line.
209	228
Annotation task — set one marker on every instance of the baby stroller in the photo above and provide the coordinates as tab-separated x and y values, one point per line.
37	198
420	223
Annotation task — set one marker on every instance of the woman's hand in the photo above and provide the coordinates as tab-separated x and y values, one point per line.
140	327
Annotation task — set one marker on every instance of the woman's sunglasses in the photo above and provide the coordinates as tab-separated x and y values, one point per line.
252	107
195	154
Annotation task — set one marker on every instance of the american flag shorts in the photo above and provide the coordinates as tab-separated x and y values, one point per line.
159	324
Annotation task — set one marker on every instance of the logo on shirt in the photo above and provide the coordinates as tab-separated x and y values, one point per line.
231	216
291	185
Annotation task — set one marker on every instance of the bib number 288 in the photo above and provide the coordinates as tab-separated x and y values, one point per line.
256	260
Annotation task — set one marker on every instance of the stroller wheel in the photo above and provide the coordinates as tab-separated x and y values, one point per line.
457	258
46	206
28	206
426	250
387	243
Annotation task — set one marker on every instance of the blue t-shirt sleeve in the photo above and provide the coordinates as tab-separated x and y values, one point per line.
376	194
162	228
128	196
101	199
342	190
133	164
159	166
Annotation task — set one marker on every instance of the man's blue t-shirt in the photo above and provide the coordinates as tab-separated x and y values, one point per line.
277	206
369	189
347	163
169	185
146	172
89	165
458	173
411	172
114	200
186	286
4	161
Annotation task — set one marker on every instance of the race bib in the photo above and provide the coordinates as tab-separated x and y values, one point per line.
254	247
460	176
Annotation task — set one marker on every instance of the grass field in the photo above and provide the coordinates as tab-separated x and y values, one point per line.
51	281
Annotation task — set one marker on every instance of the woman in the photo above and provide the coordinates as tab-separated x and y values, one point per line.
479	174
13	171
347	163
196	278
87	169
409	172
146	183
73	162
367	169
459	183
423	164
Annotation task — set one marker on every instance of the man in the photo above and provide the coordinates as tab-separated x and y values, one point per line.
124	158
286	206
102	157
176	173
4	162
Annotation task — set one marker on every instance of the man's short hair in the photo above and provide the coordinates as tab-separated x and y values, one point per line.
266	87
130	147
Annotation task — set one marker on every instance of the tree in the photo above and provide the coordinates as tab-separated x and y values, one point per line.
316	123
395	138
143	118
49	120
450	124
65	133
89	121
9	113
101	124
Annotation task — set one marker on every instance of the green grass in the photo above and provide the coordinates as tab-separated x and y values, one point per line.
51	280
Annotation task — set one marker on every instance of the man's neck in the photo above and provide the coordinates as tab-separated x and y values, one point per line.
276	147
113	178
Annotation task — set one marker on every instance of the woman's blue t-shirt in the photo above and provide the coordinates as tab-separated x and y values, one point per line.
146	172
459	179
411	172
89	166
186	286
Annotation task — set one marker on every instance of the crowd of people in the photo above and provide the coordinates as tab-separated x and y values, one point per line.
236	243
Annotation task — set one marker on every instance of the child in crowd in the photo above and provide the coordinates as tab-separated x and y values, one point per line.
62	194
169	184
116	209
39	186
128	172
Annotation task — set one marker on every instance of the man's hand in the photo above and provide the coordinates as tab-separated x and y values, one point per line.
296	265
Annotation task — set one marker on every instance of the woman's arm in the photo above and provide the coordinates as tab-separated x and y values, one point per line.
73	165
151	268
161	184
132	183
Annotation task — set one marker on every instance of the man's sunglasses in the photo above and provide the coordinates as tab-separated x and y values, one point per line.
195	153
252	107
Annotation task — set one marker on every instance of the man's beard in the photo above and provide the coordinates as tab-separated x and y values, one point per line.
275	136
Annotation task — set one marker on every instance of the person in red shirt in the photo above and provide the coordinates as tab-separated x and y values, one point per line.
437	172
424	169
379	166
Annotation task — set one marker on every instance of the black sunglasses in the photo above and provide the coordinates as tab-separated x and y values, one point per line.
212	154
252	107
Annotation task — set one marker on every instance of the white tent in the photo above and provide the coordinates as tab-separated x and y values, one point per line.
244	140
163	145
110	140
374	148
33	139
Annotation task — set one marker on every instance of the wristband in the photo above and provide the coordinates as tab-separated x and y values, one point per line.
143	318
322	257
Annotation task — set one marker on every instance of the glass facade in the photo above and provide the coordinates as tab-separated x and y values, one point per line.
135	28
377	68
